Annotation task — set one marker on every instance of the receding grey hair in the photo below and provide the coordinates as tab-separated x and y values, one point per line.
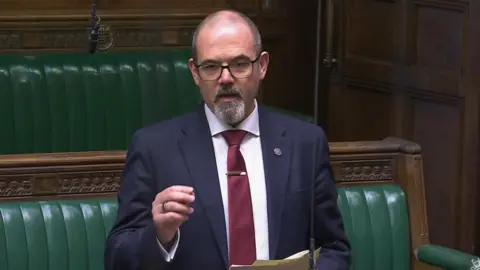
233	16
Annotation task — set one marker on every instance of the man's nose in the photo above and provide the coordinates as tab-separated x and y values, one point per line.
226	77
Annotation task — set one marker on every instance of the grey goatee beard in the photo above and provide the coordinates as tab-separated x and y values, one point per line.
231	112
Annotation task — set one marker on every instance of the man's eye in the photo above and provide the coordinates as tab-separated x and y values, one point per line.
240	64
209	67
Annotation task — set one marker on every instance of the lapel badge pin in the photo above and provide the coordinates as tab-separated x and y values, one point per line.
277	151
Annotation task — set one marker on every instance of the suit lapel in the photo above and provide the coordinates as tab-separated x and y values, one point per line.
276	148
198	153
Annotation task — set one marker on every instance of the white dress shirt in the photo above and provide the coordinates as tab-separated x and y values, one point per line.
251	150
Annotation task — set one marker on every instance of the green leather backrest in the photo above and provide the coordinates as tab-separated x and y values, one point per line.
71	102
377	225
67	102
59	235
55	235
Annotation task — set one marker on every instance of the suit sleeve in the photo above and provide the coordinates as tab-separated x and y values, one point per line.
132	243
329	228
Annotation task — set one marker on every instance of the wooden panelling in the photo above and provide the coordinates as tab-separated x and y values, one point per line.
276	49
290	77
247	6
357	94
436	48
440	49
361	41
438	125
422	52
35	7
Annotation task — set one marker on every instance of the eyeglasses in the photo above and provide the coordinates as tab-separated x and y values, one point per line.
239	69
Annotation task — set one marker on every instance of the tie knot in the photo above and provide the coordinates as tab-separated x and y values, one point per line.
234	136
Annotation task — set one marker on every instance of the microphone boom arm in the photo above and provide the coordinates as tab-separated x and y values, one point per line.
312	264
94	29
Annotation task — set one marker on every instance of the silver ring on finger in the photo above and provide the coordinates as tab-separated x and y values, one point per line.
164	207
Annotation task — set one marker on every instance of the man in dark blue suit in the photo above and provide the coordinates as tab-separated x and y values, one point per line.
229	183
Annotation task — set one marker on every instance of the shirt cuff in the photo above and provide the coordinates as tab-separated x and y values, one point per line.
169	255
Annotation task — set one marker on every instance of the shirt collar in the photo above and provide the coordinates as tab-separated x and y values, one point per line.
250	124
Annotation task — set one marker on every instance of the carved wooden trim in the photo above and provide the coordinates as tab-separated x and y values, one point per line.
19	162
52	182
69	31
107	181
387	145
15	186
60	173
60	183
361	171
76	38
100	172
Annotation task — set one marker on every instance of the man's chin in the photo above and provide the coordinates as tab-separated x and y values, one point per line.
229	113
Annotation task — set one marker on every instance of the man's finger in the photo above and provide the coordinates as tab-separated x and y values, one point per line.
176	207
179	197
184	189
180	189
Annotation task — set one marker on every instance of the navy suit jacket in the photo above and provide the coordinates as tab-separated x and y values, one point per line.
180	152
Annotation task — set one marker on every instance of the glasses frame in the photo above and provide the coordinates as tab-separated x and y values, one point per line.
227	66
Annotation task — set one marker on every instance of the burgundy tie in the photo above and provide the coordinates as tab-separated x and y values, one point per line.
242	232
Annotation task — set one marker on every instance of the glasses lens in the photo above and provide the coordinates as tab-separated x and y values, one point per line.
237	70
210	72
241	69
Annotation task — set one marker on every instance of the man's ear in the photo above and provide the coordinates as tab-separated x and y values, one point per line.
193	70
263	61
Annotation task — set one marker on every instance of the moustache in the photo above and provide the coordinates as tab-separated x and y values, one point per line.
227	92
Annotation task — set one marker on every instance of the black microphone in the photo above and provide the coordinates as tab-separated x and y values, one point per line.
94	27
312	214
93	39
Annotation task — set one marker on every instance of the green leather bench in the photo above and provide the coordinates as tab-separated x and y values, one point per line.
68	102
70	234
73	102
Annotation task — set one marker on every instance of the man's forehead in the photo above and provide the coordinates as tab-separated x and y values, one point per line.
226	39
225	30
